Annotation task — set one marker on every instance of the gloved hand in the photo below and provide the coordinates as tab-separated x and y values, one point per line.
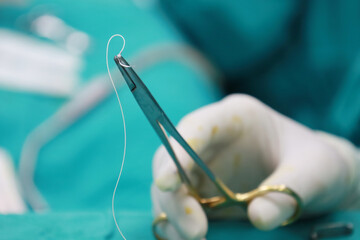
247	144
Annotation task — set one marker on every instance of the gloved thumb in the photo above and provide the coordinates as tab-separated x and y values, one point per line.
313	173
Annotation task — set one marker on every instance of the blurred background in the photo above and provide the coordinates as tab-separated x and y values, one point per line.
60	123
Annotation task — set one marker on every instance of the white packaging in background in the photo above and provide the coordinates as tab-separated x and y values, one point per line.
29	64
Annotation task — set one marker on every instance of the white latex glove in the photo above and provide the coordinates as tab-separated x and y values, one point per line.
10	198
247	144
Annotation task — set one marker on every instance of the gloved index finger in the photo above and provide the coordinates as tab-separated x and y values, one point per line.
205	130
211	125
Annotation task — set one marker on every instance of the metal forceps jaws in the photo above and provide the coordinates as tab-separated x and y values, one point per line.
163	126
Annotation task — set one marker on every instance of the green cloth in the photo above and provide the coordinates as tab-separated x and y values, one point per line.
300	57
137	225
